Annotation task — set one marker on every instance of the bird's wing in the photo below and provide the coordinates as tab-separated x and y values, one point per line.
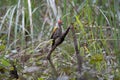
55	28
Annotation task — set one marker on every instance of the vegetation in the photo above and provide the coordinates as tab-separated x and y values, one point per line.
26	27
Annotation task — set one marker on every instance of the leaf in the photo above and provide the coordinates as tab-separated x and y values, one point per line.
2	47
40	79
80	24
96	58
5	62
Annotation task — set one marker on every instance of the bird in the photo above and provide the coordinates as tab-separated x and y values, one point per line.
57	31
58	37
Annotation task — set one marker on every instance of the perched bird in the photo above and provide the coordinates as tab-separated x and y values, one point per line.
57	31
58	37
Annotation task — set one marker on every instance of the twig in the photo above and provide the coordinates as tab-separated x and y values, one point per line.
79	58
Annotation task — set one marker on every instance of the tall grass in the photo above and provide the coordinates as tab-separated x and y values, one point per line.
96	22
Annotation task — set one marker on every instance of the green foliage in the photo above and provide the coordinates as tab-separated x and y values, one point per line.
96	58
40	79
96	23
2	47
4	62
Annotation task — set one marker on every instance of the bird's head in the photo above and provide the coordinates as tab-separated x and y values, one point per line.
60	22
